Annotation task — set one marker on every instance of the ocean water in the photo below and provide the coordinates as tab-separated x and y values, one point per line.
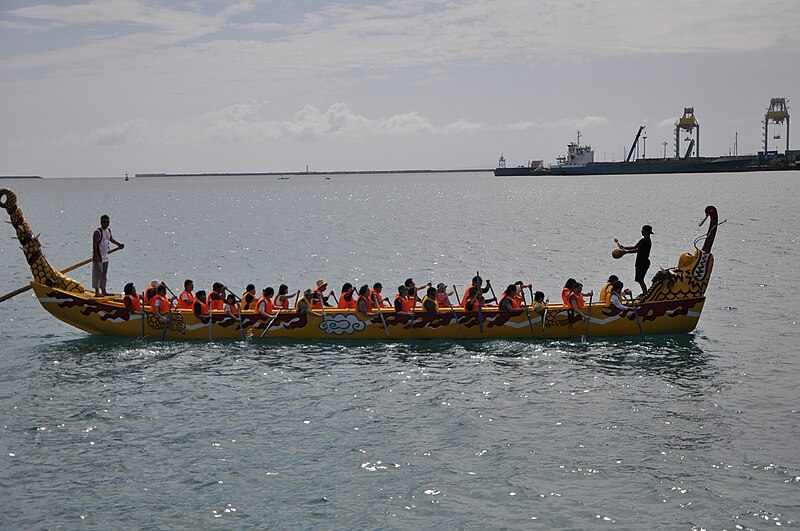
698	431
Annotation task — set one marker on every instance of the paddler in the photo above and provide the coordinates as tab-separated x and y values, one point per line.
616	296
429	304
365	305
264	306
442	295
375	295
232	307
283	297
131	299
216	298
605	291
477	283
186	298
249	298
575	301
160	304
508	299
318	296
200	306
402	304
539	304
347	299
519	297
150	291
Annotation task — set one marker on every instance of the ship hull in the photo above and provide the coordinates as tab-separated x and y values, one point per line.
654	166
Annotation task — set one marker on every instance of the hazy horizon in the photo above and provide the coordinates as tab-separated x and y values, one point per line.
100	88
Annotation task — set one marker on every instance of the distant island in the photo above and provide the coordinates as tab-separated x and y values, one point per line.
302	173
19	177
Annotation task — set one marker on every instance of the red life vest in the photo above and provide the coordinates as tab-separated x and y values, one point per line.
185	300
516	300
132	303
578	299
409	303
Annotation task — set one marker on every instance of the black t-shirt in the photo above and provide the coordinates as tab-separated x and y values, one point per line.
643	254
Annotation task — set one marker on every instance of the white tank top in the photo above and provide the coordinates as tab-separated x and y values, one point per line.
105	238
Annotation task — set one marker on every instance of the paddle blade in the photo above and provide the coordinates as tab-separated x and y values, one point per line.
617	253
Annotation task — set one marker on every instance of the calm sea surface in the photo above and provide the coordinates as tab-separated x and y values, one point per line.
682	432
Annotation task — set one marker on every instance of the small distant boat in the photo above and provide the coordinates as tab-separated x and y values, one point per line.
126	176
671	305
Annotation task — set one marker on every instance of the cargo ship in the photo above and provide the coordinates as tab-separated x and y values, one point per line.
580	161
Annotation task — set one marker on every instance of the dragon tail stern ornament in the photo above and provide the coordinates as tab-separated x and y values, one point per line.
43	272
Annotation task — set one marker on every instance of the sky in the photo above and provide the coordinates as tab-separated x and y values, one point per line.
103	87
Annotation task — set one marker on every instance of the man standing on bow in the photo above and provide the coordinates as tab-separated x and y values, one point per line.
642	250
101	238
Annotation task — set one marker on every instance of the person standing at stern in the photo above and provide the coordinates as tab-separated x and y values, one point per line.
101	238
642	250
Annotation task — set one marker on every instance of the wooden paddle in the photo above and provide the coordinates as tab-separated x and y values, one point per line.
270	323
454	313
527	311
380	312
65	270
636	313
239	308
588	314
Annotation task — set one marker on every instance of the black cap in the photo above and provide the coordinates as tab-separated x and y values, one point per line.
648	229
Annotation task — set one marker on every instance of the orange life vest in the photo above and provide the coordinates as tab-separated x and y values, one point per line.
344	304
267	305
375	298
203	307
216	300
185	300
406	303
284	304
579	299
317	297
148	294
566	293
159	304
516	300
132	303
465	298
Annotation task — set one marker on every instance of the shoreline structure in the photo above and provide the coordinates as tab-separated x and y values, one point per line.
301	173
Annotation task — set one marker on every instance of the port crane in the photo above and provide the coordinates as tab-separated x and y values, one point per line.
687	123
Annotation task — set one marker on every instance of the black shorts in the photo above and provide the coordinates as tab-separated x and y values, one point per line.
641	271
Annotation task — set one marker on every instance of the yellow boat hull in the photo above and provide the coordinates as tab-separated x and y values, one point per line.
108	316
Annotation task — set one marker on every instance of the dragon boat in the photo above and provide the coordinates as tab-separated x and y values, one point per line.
672	305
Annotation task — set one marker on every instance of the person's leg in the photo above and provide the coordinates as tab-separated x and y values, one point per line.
96	273
103	278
